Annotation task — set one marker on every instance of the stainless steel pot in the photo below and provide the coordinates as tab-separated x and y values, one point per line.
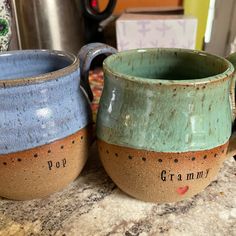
57	24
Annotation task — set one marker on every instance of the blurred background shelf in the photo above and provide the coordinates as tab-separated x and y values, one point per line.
68	28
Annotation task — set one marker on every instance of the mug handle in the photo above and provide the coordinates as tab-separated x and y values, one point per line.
86	55
232	141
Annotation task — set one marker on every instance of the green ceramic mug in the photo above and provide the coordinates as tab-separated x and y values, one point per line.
165	121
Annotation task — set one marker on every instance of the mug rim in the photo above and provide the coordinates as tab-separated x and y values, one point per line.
74	65
144	80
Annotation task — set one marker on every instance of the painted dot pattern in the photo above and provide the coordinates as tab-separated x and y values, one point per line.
116	154
36	155
163	160
130	157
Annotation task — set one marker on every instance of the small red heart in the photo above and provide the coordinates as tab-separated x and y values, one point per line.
182	190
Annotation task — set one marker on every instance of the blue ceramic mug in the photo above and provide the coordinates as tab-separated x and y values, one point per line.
45	121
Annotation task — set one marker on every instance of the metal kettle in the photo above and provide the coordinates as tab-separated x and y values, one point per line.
58	24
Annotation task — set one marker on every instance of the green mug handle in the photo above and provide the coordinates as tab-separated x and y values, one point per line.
232	142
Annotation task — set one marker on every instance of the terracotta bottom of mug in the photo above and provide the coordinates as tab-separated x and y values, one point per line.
158	176
41	171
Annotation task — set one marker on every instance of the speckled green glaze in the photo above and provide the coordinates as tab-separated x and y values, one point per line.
168	100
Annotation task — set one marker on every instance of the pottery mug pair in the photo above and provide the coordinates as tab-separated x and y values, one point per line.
163	125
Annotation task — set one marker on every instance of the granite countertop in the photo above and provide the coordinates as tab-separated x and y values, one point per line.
93	205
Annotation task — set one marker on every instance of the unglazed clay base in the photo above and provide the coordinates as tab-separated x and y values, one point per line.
160	177
38	172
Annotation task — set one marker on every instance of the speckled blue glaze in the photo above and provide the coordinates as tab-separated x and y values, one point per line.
40	99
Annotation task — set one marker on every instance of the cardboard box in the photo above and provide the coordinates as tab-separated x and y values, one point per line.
154	30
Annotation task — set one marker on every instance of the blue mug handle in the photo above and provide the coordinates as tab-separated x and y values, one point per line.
86	55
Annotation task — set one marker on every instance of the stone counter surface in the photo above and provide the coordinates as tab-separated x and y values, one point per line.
93	205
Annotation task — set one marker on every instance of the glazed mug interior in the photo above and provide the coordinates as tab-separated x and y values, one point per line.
164	64
33	63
